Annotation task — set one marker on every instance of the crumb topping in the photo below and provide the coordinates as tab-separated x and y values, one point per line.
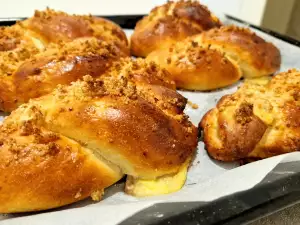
97	27
244	113
261	119
17	45
14	49
91	46
11	60
141	71
190	53
233	28
185	9
128	79
279	95
195	54
79	47
10	37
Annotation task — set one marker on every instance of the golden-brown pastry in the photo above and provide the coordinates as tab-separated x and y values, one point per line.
171	22
60	64
54	48
50	26
41	169
141	71
79	139
218	58
255	56
260	120
194	67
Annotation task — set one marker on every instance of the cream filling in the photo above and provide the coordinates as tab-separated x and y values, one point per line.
162	185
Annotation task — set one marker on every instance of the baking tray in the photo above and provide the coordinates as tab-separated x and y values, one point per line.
280	188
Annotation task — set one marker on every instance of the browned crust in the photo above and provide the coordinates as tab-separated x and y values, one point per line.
62	66
258	121
52	48
10	38
166	143
292	114
194	67
15	44
256	56
122	114
55	26
8	98
193	11
242	136
141	71
79	139
41	170
169	23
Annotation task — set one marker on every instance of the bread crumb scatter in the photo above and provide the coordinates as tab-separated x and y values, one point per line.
78	194
193	105
97	195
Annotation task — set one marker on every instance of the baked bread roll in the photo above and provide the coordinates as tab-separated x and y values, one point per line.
54	48
260	120
254	55
194	67
218	58
169	23
79	139
51	26
59	64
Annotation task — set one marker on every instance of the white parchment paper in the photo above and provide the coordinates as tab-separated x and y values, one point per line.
207	179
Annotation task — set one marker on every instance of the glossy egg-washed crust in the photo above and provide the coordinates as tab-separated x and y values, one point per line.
169	23
54	48
217	58
254	55
55	26
80	139
195	67
61	63
260	120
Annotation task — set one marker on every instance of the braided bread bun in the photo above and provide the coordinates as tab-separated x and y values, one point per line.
58	64
254	55
218	58
194	67
54	48
80	139
51	26
171	22
260	120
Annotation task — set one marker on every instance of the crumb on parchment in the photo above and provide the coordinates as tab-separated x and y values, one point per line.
193	105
